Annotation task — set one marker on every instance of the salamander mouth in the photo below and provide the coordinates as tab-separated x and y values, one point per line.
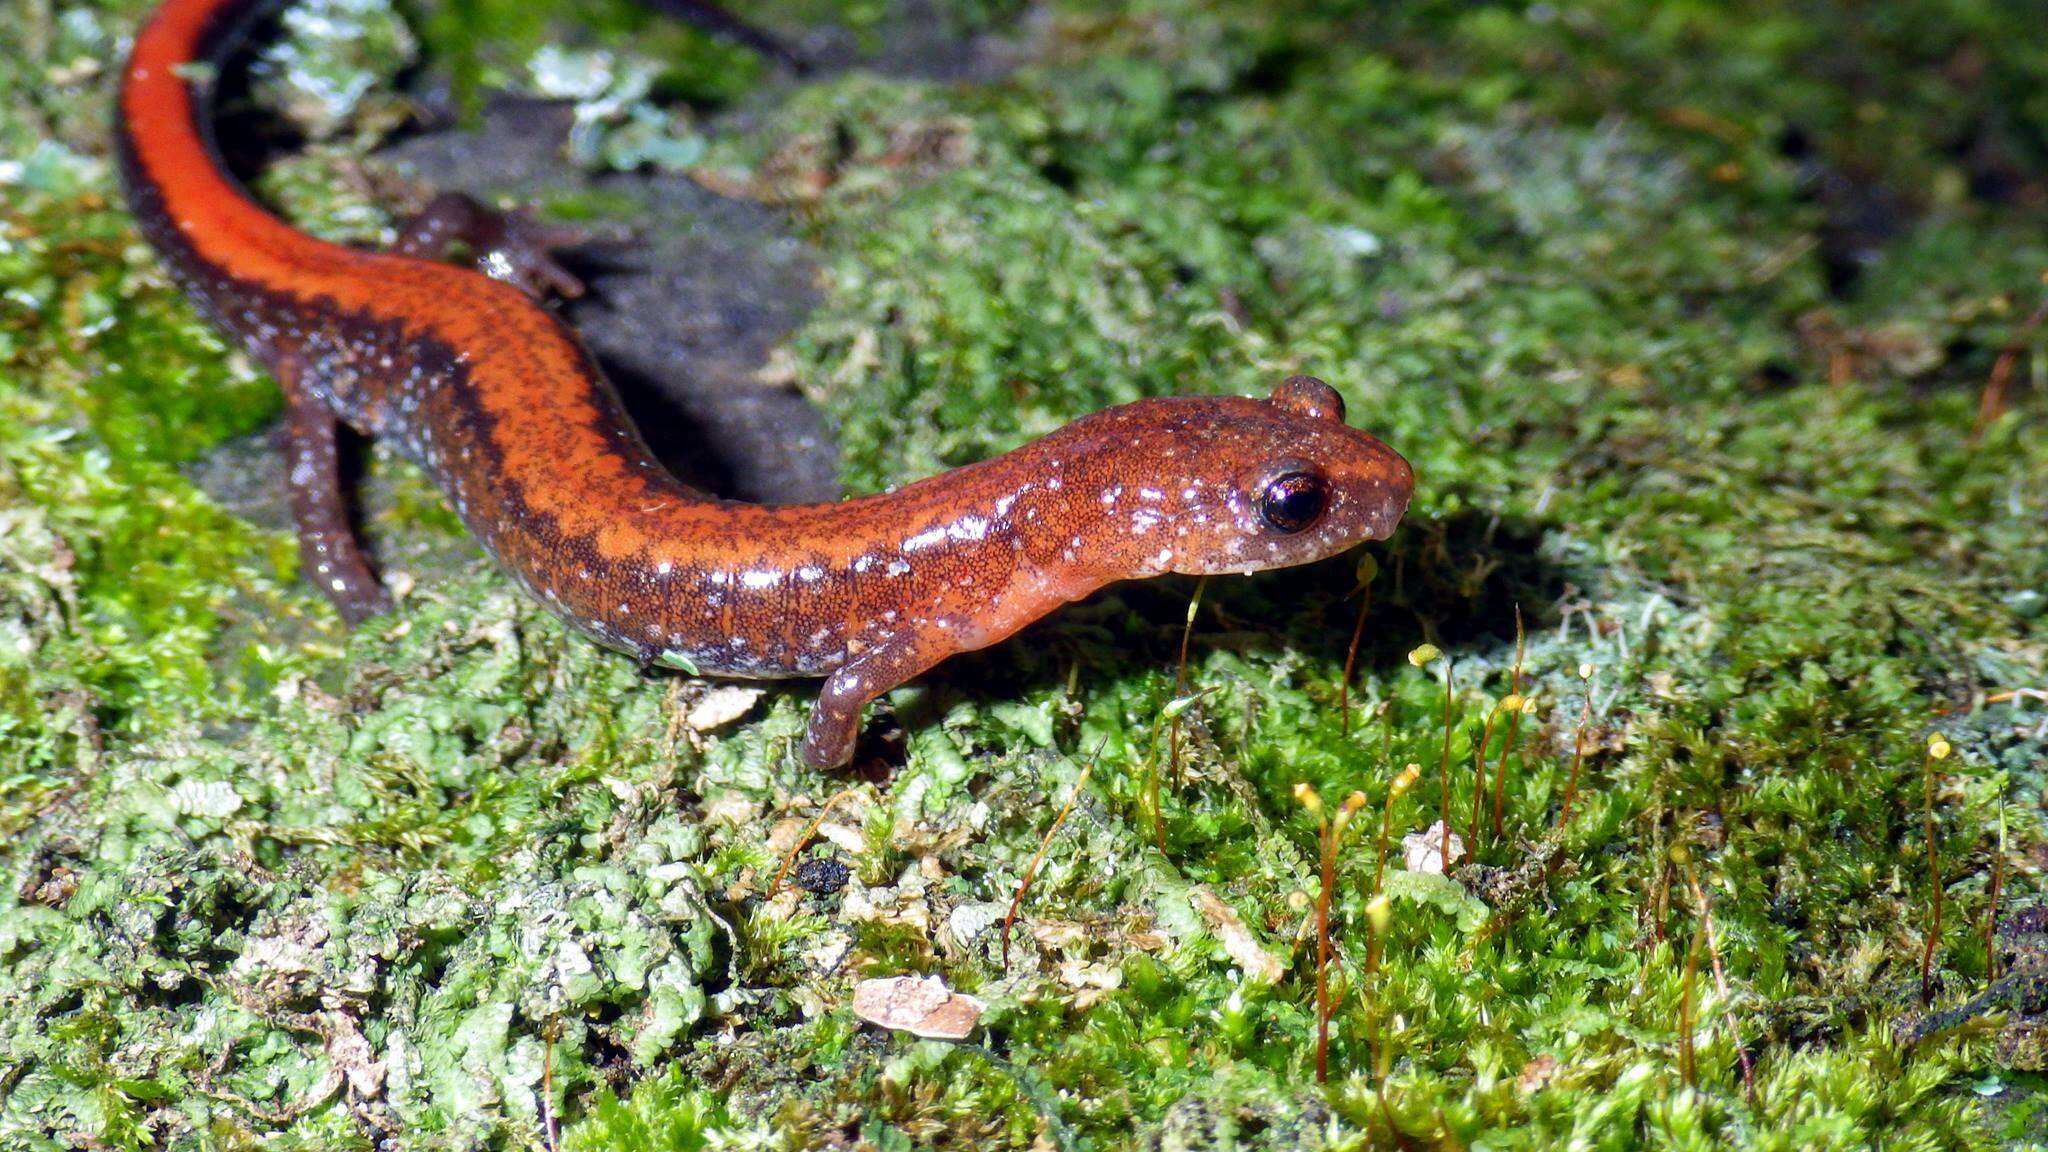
1389	515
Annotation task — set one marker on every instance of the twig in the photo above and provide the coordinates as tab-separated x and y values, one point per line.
1379	916
1991	892
1991	404
1937	749
1171	714
1329	880
1687	1061
804	838
1406	780
1509	703
1038	857
1367	569
550	1128
1180	683
1699	897
1500	769
1571	787
1328	832
1446	798
1513	703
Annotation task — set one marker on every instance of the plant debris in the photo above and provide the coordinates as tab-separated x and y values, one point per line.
1687	318
921	1006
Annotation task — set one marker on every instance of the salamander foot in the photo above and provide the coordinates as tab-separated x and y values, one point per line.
329	553
508	246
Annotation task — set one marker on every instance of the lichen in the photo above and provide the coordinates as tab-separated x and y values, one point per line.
1682	315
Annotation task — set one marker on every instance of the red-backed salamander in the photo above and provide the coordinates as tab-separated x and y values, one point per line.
495	397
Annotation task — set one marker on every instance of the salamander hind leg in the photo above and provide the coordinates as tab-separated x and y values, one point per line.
716	20
328	551
508	246
836	717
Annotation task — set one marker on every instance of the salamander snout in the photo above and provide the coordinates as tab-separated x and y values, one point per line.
1289	482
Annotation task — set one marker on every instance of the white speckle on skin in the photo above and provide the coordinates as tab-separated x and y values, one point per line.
760	578
925	539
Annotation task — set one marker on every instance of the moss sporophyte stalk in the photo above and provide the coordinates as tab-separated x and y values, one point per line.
1685	319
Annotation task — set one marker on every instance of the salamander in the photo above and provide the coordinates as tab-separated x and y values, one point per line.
480	382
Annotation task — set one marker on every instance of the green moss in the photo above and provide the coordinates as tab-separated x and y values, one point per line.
1681	313
663	1111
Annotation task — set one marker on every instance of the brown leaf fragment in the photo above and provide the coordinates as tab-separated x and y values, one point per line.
1238	942
923	1007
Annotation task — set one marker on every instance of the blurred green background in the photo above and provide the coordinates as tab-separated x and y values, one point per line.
1685	313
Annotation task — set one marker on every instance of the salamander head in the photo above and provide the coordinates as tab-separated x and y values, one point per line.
1235	485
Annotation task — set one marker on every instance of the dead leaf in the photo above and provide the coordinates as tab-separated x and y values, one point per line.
720	706
1424	851
1237	940
923	1007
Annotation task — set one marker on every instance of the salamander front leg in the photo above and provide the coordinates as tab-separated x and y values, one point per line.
328	551
508	246
836	717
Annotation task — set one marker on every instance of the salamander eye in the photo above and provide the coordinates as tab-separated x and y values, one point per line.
1292	500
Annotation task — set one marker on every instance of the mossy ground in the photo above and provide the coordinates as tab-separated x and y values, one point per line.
1682	313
